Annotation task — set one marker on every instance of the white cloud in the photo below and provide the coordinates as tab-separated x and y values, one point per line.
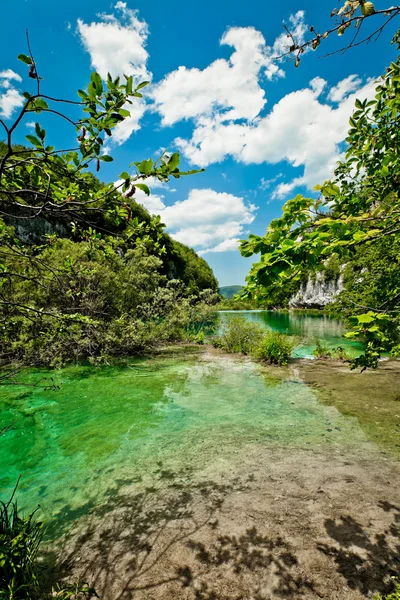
344	88
265	184
205	219
301	129
227	88
7	75
117	45
10	99
225	246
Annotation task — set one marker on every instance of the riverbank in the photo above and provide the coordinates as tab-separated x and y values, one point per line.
259	522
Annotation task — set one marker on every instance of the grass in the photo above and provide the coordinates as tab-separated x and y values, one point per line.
22	575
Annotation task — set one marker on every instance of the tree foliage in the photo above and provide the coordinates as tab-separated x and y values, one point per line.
85	271
358	208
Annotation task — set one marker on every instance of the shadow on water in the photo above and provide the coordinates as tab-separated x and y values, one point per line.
368	561
146	542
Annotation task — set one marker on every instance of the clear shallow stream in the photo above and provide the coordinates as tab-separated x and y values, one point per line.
305	326
110	426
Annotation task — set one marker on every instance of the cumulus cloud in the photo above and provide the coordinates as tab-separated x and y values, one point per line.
301	129
10	99
344	88
117	45
225	246
227	88
206	219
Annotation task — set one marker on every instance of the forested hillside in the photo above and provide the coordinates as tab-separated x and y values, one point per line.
86	273
229	291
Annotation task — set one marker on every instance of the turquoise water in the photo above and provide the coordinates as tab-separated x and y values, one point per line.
109	427
307	327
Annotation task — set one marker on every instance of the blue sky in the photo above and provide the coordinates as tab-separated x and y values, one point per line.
263	130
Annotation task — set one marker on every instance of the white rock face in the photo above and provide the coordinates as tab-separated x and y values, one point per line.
318	293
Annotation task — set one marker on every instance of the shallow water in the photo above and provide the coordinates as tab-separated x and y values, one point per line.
111	426
303	325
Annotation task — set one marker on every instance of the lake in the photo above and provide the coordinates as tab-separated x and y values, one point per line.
307	327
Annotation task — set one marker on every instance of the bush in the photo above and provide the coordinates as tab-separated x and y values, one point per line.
22	576
276	347
239	335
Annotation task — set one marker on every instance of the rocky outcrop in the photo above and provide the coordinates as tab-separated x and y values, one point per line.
34	231
316	293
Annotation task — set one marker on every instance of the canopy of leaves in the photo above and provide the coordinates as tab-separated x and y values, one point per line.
357	208
85	271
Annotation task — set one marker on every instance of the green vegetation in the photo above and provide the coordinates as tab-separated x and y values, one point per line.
242	336
357	212
276	347
22	574
107	301
239	335
229	291
86	273
19	543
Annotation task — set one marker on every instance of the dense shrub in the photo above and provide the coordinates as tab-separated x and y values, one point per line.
239	335
276	347
93	301
242	336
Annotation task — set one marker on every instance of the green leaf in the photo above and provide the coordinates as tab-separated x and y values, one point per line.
41	104
27	95
97	82
129	85
145	166
143	187
367	318
34	140
124	175
124	113
106	158
25	59
41	133
174	161
142	85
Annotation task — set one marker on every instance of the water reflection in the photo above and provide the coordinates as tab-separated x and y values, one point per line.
306	326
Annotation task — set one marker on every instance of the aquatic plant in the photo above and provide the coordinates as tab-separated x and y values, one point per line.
321	351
